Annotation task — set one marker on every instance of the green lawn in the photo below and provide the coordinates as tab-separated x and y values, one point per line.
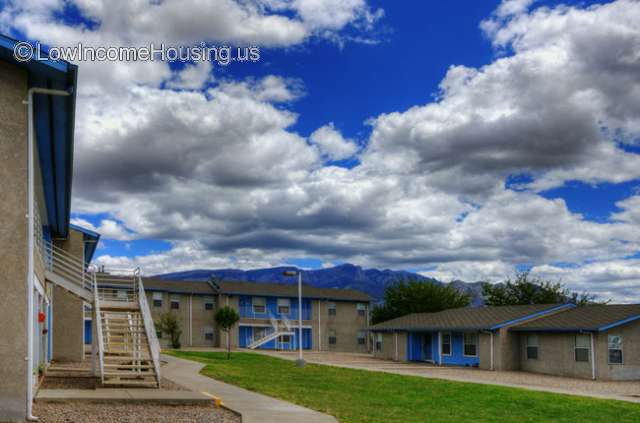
359	396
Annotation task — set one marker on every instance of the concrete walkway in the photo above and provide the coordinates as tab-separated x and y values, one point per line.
254	408
624	391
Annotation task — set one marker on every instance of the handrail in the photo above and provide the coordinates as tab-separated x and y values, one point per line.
149	327
66	265
98	321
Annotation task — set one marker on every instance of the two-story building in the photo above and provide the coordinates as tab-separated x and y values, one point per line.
332	319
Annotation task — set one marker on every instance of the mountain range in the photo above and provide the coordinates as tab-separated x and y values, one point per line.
371	281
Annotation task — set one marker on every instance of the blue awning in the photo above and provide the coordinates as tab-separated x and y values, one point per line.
54	127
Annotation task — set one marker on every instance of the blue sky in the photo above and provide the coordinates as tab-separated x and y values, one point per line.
457	139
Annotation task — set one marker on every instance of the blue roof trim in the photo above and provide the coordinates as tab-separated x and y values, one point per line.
530	316
619	323
54	123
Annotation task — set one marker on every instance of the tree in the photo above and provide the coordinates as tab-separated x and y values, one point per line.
527	290
226	318
413	296
170	324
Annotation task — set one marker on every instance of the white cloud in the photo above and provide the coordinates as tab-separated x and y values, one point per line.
192	77
108	228
332	144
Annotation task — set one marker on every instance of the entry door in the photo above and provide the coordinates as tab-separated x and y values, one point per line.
427	353
285	342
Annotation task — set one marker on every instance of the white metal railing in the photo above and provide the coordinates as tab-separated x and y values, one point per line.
118	285
97	317
149	327
66	265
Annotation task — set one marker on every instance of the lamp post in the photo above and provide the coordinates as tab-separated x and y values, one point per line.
300	361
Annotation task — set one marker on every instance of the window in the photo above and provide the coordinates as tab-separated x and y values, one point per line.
175	302
532	347
259	333
157	299
208	303
446	344
332	337
332	309
208	334
378	342
362	337
470	344
582	347
615	349
362	309
259	304
284	305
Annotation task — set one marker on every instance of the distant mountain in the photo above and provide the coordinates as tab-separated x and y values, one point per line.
371	281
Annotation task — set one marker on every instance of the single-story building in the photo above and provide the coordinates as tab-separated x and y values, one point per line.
595	341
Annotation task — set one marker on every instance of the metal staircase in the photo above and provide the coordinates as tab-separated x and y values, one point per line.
277	331
128	351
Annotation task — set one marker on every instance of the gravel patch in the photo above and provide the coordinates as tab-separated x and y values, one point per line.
69	383
131	413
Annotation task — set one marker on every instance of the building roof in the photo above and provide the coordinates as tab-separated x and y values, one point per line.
291	290
179	287
584	318
468	318
54	120
255	289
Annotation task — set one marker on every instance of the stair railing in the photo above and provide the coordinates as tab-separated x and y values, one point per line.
66	265
149	327
98	322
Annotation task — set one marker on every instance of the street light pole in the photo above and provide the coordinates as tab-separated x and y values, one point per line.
300	361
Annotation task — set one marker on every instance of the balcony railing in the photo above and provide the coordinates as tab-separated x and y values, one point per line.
248	311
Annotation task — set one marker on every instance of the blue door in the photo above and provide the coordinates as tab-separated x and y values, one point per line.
427	349
87	332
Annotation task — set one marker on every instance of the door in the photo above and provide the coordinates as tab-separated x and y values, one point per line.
427	348
285	342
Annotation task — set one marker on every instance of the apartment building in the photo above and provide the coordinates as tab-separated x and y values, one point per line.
46	281
332	319
591	342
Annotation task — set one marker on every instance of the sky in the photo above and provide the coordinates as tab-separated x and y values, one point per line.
461	139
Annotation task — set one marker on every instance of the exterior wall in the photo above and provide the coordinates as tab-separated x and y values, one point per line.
425	346
346	323
201	320
630	367
556	356
68	310
13	243
234	302
394	346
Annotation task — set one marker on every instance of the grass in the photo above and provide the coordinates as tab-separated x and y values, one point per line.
360	396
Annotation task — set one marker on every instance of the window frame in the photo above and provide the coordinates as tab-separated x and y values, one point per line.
333	337
442	343
361	309
332	308
609	349
361	340
576	348
208	331
464	344
209	303
157	299
174	299
532	345
253	305
287	306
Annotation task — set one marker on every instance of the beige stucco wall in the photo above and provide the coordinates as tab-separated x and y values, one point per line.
556	356
630	367
13	242
68	310
391	341
346	323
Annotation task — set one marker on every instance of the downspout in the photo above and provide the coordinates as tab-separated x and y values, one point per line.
593	357
191	320
30	236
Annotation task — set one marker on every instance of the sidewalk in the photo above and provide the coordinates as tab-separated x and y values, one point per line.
254	407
